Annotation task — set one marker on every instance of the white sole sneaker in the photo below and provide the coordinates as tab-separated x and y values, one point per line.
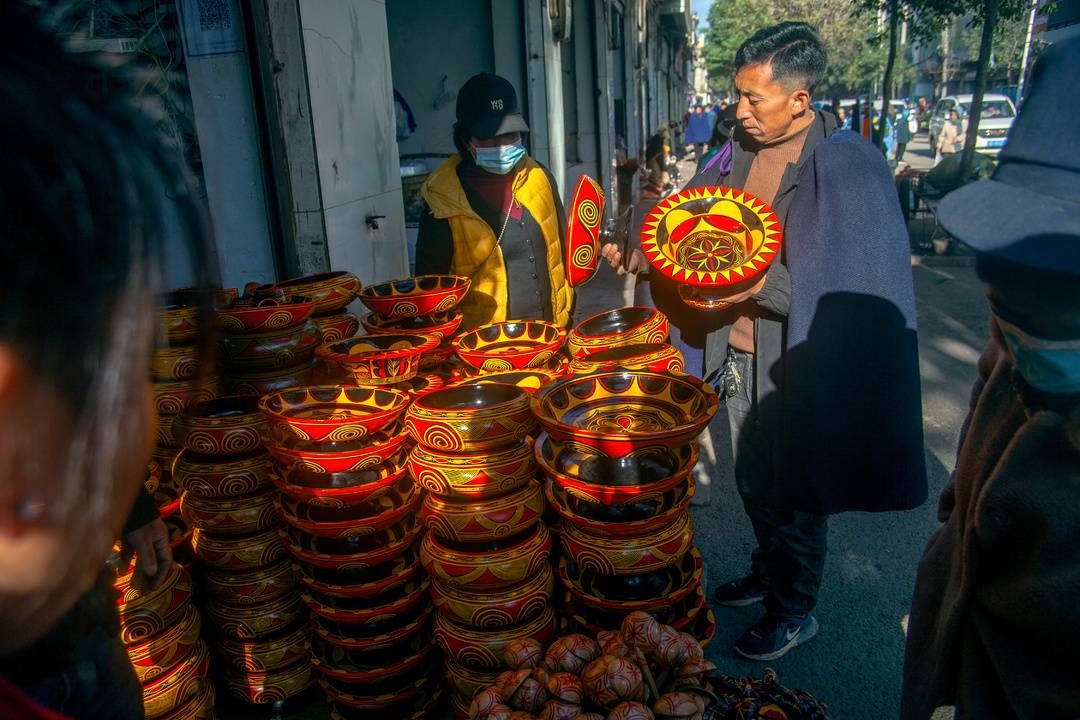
806	634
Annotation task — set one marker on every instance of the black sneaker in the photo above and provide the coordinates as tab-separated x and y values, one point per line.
774	636
742	592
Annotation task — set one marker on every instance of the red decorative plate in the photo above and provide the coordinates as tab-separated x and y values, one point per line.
581	253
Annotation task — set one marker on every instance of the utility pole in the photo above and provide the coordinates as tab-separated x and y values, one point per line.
1027	51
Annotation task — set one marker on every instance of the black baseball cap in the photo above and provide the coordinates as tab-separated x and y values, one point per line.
487	106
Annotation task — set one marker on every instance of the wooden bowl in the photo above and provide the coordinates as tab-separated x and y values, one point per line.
358	552
622	326
333	328
251	587
443	325
218	477
366	582
146	614
185	681
240	515
333	413
357	666
337	457
679	615
200	707
495	608
170	398
420	295
178	319
330	291
470	418
373	515
249	622
422	384
378	359
475	475
618	412
487	566
354	487
276	350
528	380
276	651
160	653
514	345
367	611
401	629
224	426
267	381
268	316
173	364
239	552
267	687
484	519
629	555
629	593
482	649
654	357
387	696
642	516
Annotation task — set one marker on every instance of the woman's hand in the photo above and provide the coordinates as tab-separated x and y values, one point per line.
636	265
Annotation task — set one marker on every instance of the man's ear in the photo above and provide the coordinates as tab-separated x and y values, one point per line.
800	102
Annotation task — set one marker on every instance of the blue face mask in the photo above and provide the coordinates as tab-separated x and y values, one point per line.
1052	366
500	159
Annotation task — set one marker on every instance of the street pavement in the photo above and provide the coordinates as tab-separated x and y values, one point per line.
854	665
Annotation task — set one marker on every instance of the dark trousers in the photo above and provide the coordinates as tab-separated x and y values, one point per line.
790	556
901	148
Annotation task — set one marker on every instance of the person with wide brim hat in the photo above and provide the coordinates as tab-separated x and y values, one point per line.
994	629
493	214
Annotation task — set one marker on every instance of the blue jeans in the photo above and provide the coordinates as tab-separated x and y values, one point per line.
98	683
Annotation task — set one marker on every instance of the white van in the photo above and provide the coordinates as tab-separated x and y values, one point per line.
997	117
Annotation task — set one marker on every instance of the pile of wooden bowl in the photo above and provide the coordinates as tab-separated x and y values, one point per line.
266	340
487	549
161	631
253	601
619	450
351	523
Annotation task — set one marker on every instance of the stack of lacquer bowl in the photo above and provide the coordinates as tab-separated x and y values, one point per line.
426	305
176	384
253	600
487	550
266	340
618	451
161	630
350	510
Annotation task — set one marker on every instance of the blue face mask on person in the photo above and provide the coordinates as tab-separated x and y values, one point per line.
500	159
1052	366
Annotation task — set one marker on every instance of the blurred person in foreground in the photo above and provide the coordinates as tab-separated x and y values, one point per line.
994	630
82	189
817	363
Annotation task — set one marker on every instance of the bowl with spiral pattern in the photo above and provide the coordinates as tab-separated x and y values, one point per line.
374	514
358	553
486	566
630	593
441	324
330	291
229	425
238	552
483	648
267	687
613	328
473	475
483	519
500	607
513	345
470	418
267	315
415	296
655	357
378	359
644	553
336	457
332	413
339	326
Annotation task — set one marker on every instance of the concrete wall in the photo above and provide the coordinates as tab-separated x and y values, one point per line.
430	41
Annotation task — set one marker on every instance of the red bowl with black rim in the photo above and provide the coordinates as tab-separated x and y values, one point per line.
330	291
357	552
366	518
415	296
332	413
361	582
378	359
224	426
346	488
513	345
266	315
443	324
337	457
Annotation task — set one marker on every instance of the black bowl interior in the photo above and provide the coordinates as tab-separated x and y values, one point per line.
465	397
384	686
414	284
229	406
340	480
624	512
374	343
372	506
358	604
420	322
615	321
642	587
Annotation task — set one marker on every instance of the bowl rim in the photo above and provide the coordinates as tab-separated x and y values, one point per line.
301	304
459	282
460	343
382	521
399	404
326	351
652	315
423	408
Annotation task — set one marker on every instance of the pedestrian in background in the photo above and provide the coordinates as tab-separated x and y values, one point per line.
995	622
951	139
699	129
903	134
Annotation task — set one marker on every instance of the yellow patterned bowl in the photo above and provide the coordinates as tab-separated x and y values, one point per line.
470	418
622	326
487	566
473	475
514	345
483	520
629	555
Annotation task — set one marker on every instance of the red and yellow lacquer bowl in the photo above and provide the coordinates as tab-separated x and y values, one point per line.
483	648
617	412
239	552
146	614
646	474
359	666
628	555
249	622
643	515
388	696
277	651
366	582
420	707
200	707
513	345
495	608
378	359
655	357
273	350
420	295
220	477
251	587
241	515
178	319
422	384
680	615
628	593
265	687
230	425
338	457
487	566
443	324
346	488
528	380
330	291
185	681
173	364
162	652
623	326
336	327
473	476
373	515
333	413
470	418
170	398
581	250
484	519
402	629
267	316
465	682
368	611
261	383
358	552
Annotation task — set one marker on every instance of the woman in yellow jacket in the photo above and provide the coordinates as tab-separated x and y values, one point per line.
494	215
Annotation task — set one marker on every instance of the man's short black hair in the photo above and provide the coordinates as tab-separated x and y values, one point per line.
794	51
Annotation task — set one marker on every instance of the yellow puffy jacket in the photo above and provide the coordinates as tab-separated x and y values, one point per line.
476	251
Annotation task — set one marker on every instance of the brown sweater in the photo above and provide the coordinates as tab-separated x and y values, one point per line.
766	172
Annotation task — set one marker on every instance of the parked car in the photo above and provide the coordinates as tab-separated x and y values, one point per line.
998	113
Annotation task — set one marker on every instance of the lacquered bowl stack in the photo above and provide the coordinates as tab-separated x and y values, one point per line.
161	630
266	340
249	594
350	513
486	547
176	384
619	451
424	305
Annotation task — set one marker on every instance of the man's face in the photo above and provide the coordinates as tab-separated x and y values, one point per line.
767	110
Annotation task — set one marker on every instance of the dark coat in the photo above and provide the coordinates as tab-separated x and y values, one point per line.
995	621
836	348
